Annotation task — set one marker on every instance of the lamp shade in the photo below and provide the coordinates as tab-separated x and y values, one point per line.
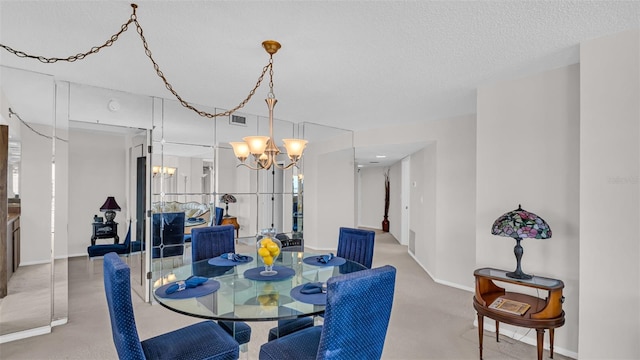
240	149
228	198
521	224
257	144
110	204
294	147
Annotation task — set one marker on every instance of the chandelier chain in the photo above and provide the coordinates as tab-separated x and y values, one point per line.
134	19
72	58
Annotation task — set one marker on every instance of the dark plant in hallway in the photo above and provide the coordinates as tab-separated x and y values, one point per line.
385	222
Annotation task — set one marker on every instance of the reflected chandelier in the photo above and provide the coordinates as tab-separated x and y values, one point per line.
262	148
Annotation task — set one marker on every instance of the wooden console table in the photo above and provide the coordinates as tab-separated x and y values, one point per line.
543	314
232	220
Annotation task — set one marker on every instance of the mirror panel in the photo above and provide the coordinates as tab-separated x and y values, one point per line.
109	136
138	188
61	206
32	97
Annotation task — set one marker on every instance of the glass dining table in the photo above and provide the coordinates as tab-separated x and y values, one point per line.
235	291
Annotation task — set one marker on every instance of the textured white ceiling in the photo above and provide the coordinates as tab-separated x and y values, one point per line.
347	64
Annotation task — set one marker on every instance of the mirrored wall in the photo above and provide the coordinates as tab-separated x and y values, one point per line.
37	277
153	157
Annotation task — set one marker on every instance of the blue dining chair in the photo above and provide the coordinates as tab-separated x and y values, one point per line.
219	215
353	244
204	340
356	319
356	245
207	243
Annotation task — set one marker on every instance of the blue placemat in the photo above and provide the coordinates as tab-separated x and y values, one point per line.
207	288
219	261
313	260
315	299
283	273
194	221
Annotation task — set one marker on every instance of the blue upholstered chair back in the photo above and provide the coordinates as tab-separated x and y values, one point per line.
356	245
219	215
209	242
117	288
357	314
212	241
168	231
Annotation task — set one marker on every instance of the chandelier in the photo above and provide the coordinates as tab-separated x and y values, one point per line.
164	170
263	148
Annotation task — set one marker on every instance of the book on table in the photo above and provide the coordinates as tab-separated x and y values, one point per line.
510	306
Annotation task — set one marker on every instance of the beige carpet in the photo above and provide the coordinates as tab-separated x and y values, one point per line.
429	321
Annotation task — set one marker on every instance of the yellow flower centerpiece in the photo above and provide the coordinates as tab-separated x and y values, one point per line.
268	250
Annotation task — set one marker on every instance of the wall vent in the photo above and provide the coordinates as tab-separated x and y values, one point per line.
238	120
412	242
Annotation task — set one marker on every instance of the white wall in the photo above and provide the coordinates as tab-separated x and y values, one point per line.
610	198
329	190
444	193
395	201
528	153
423	208
371	206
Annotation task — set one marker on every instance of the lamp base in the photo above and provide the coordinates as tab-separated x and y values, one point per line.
109	215
519	275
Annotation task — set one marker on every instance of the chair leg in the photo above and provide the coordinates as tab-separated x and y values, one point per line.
91	267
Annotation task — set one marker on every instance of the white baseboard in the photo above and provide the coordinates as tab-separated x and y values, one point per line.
25	334
439	281
39	262
455	285
59	322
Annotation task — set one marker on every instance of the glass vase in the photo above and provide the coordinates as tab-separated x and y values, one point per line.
268	249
